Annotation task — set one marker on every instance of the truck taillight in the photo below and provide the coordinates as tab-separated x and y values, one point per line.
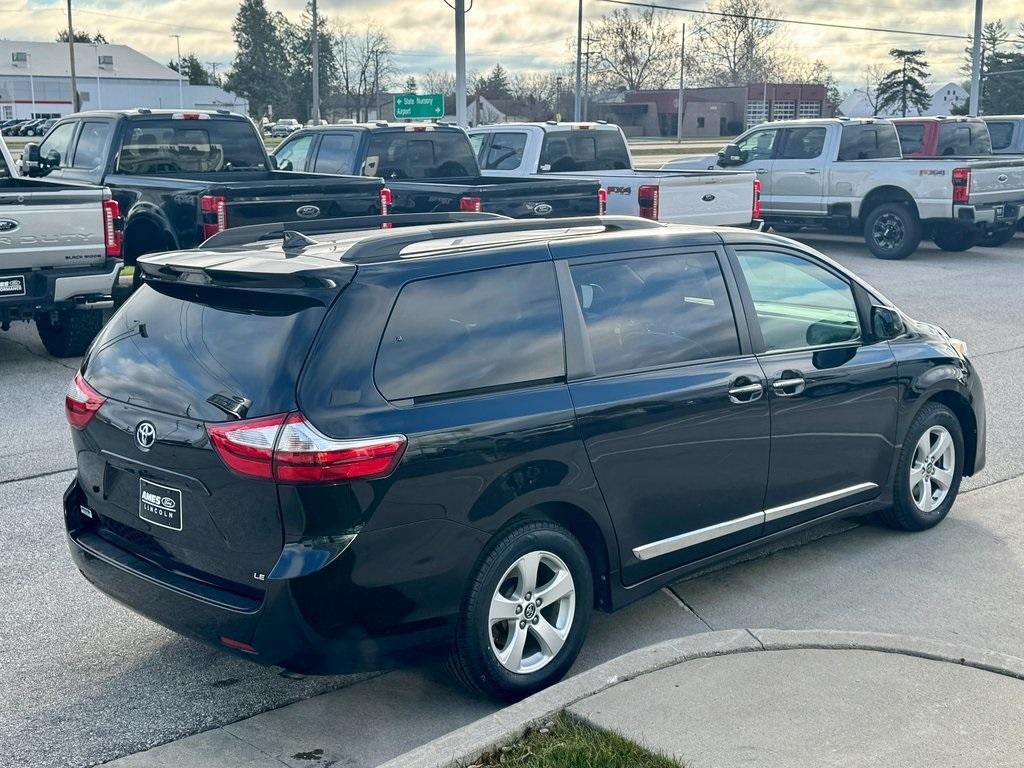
289	449
602	201
81	402
755	210
470	204
647	196
111	231
213	207
961	185
386	198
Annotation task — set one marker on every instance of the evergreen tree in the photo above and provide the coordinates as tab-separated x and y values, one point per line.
410	84
496	85
300	75
260	66
193	69
903	87
1003	92
81	36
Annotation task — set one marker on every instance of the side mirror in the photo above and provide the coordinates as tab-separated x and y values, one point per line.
730	155
283	165
31	163
273	163
886	323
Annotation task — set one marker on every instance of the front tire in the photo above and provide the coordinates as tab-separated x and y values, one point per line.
527	613
72	333
892	231
954	238
929	472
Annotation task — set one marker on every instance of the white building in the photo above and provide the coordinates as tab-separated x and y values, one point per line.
944	98
35	81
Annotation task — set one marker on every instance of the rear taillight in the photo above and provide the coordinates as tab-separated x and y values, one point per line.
961	185
386	199
214	209
602	201
755	209
81	402
111	233
470	204
647	196
288	449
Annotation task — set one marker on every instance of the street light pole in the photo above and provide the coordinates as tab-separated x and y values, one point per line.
76	104
99	100
579	61
31	84
975	105
682	85
460	63
181	89
316	68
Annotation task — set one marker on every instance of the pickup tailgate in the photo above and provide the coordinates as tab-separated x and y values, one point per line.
45	224
707	198
519	198
994	182
297	196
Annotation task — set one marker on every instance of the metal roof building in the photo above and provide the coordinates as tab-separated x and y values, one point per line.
35	81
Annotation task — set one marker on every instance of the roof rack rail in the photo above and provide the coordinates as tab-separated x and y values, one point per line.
275	230
389	243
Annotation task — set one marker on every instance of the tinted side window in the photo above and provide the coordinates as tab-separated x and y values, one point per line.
911	137
803	143
91	142
473	331
295	152
337	153
505	152
1001	133
869	142
963	139
655	311
759	145
55	148
798	303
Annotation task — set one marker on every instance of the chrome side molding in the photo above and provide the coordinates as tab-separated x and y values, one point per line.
701	535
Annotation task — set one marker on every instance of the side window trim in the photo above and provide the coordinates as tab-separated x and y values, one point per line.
579	356
750	312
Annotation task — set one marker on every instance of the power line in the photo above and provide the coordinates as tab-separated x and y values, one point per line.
803	22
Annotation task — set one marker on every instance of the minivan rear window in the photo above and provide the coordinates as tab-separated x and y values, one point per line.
180	350
472	332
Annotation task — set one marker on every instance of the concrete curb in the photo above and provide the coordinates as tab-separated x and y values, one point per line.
460	747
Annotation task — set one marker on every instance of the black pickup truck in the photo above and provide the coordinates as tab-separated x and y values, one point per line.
433	168
180	177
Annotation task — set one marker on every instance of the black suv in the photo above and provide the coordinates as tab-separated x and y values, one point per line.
332	450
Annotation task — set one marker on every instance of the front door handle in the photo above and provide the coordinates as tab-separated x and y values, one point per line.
812	171
761	170
745	390
789	383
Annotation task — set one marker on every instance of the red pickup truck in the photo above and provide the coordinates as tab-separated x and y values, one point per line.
943	136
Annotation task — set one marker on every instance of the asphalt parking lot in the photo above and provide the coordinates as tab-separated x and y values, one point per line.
86	681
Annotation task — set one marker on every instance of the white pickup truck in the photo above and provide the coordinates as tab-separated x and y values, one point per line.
840	173
1007	133
60	255
600	151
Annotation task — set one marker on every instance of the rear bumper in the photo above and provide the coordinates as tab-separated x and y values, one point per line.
47	289
330	622
1004	214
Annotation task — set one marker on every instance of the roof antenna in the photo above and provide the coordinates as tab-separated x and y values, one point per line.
295	241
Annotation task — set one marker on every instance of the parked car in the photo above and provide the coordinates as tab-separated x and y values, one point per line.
38	127
466	437
600	150
943	136
843	174
60	255
180	177
284	128
28	128
432	168
11	126
1007	132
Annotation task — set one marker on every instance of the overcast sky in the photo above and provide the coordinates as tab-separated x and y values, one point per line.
521	34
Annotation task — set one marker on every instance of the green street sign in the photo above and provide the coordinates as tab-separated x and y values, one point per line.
413	106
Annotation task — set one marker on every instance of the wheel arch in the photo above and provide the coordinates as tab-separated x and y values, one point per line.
143	230
886	194
961	408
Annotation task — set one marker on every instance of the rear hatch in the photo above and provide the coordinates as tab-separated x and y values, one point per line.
216	337
995	182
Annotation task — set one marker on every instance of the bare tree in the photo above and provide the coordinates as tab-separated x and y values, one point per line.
633	50
366	67
735	49
438	82
873	74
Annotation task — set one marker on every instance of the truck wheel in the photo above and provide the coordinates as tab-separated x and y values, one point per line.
71	335
954	238
892	231
996	237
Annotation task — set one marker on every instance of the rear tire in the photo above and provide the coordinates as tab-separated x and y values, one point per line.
954	238
508	646
996	237
73	332
929	472
892	231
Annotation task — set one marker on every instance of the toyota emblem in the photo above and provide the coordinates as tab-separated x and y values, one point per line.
308	211
145	435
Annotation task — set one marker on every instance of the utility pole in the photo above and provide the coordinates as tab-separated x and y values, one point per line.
682	85
316	68
181	88
76	103
460	63
32	85
579	61
99	99
586	83
975	105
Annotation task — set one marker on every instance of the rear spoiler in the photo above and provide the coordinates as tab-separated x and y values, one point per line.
275	231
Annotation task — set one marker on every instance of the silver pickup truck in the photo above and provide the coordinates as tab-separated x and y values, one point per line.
840	174
60	254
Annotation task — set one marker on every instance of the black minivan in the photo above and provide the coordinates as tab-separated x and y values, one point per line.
334	450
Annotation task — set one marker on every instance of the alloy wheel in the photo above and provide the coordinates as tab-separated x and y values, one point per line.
932	468
531	612
888	231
